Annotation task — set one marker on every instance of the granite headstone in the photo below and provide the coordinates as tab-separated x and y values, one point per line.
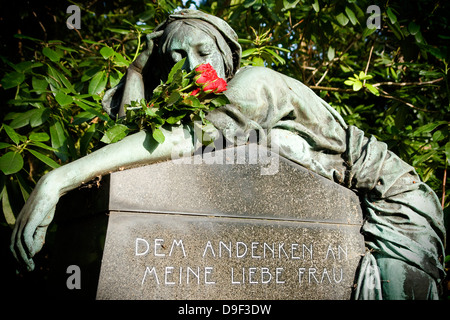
239	223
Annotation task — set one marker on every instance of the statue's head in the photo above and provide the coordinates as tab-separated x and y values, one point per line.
190	34
200	38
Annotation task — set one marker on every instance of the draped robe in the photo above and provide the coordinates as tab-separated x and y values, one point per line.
403	221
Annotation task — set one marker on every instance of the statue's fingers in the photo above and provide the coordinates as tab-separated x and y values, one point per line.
19	250
38	239
12	246
142	59
154	35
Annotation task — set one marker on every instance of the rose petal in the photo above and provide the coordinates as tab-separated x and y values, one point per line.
206	76
204	67
221	85
195	92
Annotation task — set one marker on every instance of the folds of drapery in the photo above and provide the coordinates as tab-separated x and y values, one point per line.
403	218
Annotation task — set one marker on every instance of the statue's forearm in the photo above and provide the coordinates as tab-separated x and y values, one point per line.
139	148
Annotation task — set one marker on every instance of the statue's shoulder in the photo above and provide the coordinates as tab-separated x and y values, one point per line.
256	72
257	76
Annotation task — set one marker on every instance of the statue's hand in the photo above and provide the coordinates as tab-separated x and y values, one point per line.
28	235
140	62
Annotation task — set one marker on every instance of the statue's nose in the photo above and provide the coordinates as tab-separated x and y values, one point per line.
191	62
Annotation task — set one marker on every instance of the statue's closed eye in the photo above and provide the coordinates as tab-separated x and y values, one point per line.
204	50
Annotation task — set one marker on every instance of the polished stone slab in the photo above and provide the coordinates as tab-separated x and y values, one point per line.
194	229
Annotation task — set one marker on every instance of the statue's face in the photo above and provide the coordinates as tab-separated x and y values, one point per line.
197	47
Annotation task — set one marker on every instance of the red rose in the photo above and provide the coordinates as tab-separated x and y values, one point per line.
204	67
217	86
208	79
206	76
195	92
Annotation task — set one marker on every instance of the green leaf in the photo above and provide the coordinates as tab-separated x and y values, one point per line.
275	55
372	89
351	15
248	52
175	119
192	102
349	82
4	145
22	119
391	15
330	53
115	133
120	61
98	83
39	117
59	141
342	19
221	100
175	69
287	5
61	79
25	188
368	31
428	127
86	139
447	152
316	6
82	103
63	99
48	161
23	66
114	78
40	85
158	135
357	85
258	62
363	76
11	134
12	79
7	210
413	28
52	54
43	146
173	98
39	136
107	52
423	158
11	162
117	30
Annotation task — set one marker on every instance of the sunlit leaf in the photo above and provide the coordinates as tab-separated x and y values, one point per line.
11	162
114	134
48	161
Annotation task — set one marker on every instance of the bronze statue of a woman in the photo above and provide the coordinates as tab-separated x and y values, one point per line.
403	226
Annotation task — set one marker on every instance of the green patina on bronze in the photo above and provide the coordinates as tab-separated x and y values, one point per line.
403	226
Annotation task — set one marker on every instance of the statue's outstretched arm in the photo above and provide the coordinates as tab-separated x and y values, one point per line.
31	225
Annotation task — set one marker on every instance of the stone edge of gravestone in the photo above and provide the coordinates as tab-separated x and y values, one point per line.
153	188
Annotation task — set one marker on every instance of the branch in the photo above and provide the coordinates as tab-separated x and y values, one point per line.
388	96
330	89
368	63
402	84
329	63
